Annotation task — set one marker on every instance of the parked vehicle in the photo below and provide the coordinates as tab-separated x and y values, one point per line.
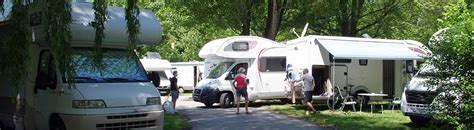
263	59
189	74
369	65
417	97
118	97
159	70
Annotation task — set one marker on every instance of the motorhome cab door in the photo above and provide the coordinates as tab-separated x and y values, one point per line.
45	89
234	71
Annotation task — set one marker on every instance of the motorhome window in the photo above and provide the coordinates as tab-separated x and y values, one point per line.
363	62
219	70
339	60
117	67
240	46
46	73
270	64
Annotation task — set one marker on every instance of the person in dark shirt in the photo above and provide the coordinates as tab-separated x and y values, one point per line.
174	88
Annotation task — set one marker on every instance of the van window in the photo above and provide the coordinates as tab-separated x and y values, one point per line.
219	70
118	67
235	70
46	76
269	64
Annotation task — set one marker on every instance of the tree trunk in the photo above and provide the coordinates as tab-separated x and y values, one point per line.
355	14
275	14
344	18
247	18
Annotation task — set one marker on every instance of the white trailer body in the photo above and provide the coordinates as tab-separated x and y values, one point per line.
189	74
264	60
118	97
369	65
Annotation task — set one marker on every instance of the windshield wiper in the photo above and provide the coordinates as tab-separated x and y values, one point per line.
116	79
88	78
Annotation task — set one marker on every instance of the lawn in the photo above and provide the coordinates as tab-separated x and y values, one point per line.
175	122
348	119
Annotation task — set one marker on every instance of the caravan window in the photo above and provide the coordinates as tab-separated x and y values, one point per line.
219	69
269	64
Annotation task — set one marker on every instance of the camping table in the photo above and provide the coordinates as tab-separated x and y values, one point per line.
370	95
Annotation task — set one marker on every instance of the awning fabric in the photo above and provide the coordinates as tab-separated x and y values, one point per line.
362	48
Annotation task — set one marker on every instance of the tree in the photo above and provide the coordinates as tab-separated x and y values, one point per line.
453	57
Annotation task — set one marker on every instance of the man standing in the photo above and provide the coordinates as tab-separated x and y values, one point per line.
240	83
174	88
308	87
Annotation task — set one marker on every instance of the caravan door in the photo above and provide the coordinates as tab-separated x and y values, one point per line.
272	75
340	75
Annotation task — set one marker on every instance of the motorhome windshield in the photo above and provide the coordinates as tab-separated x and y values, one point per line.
426	72
117	67
219	70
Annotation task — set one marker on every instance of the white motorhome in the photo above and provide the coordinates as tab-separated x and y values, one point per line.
118	97
264	60
369	65
189	74
159	71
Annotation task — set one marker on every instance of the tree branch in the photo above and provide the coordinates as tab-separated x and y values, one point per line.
391	7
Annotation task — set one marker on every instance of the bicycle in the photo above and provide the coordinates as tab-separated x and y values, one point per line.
340	98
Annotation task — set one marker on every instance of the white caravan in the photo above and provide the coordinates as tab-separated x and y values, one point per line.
189	74
264	59
119	97
369	65
159	71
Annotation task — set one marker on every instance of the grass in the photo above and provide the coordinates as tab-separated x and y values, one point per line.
175	122
186	94
347	120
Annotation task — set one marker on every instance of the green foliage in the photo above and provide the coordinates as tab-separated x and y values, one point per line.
58	17
133	25
453	53
17	54
175	122
100	8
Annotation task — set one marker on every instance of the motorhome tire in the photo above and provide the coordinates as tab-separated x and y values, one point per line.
225	100
359	98
208	104
419	120
57	123
181	90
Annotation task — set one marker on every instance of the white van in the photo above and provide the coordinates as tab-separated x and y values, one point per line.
159	71
369	65
119	97
189	74
264	60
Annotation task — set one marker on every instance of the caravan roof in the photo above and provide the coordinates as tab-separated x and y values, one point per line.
236	47
115	30
365	48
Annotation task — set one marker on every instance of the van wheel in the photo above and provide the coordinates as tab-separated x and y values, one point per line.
419	120
181	90
57	124
225	100
208	104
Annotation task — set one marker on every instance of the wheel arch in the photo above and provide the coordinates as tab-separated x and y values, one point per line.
359	89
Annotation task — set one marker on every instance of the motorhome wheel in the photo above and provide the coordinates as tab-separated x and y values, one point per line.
181	90
57	123
225	100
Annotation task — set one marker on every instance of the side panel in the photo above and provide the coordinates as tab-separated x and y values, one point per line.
272	72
